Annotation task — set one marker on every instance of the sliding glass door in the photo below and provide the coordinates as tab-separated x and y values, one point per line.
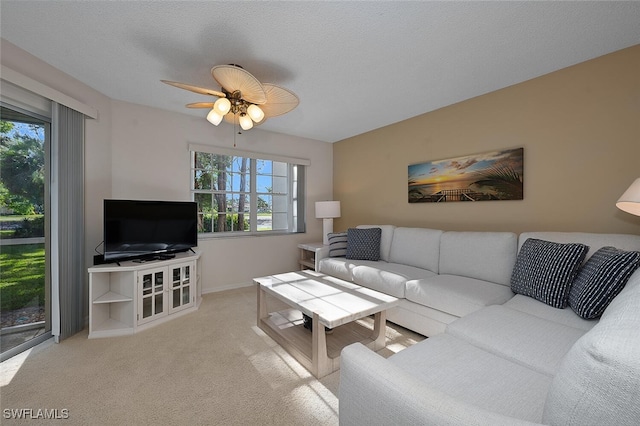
25	302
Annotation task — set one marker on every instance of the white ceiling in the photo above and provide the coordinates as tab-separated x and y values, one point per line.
356	66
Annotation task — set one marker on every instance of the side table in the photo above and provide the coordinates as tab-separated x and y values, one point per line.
308	255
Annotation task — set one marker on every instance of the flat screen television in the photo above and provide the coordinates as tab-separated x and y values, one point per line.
137	229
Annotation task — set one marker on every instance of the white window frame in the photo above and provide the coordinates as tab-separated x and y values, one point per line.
295	204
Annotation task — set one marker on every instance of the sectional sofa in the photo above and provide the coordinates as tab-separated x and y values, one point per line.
494	357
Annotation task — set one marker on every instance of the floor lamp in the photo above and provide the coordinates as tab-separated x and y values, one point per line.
327	210
630	200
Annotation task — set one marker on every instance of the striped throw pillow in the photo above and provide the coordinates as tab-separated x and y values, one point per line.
601	279
544	270
337	244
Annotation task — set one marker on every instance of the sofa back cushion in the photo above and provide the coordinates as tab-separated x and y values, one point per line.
598	381
488	256
419	247
385	239
593	240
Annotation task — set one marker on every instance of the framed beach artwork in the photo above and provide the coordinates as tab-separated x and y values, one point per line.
493	175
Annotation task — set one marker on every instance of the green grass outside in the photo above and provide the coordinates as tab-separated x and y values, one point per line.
22	272
18	218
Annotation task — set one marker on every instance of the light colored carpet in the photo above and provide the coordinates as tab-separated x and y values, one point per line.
211	367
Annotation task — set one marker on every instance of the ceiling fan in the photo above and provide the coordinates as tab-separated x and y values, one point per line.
242	99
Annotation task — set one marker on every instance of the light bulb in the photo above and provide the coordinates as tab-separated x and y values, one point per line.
245	122
213	117
255	112
222	106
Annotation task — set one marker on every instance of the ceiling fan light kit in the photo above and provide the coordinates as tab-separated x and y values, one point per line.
214	117
243	99
222	106
245	122
255	113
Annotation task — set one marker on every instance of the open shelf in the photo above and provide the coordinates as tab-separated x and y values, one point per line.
288	324
111	324
112	297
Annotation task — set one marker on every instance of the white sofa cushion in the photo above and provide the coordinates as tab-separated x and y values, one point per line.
375	391
419	247
487	256
389	278
338	267
456	295
564	316
593	240
522	338
385	238
597	382
478	377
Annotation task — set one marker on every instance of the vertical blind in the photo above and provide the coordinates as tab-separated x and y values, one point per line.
68	221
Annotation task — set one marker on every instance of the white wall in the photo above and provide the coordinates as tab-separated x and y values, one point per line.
151	161
132	151
97	134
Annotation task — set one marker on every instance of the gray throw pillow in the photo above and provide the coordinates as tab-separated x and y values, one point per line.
363	243
544	270
601	279
337	244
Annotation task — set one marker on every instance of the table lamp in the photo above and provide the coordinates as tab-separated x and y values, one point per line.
630	200
327	210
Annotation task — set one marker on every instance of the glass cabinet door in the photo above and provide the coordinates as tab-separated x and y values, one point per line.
152	302
181	287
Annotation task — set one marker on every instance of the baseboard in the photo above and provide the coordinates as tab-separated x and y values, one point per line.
227	287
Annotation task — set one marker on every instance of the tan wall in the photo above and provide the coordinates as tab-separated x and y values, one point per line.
580	130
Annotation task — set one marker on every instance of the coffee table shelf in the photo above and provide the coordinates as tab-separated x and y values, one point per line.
330	302
295	333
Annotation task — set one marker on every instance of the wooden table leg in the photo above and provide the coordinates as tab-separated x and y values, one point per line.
379	330
262	304
320	359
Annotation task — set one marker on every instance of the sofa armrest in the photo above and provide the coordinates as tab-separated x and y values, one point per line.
321	253
374	391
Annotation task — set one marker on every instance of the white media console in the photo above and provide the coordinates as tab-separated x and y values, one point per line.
133	296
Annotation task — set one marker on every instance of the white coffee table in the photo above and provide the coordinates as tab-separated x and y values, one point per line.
331	303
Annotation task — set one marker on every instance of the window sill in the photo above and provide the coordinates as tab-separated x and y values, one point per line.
225	235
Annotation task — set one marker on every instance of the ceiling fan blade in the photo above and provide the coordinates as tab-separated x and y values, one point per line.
207	105
196	89
279	100
232	78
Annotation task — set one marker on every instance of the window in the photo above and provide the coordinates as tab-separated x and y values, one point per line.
25	280
243	194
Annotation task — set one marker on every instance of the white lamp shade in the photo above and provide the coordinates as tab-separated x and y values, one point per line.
255	113
213	117
245	122
327	209
222	106
630	200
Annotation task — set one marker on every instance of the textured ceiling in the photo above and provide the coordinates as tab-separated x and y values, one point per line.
356	66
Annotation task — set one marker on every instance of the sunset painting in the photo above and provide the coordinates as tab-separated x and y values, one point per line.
490	176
